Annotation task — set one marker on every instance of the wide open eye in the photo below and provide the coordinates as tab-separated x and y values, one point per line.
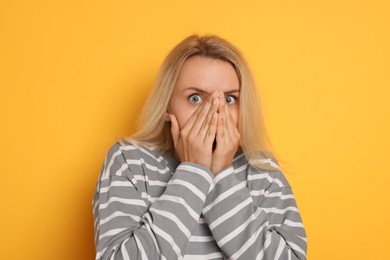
230	100
196	99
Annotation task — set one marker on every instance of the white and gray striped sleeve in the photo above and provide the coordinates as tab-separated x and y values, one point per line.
269	228
128	226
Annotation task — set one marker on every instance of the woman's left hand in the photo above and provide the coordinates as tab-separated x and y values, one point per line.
227	138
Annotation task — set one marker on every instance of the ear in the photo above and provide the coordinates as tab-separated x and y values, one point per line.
167	117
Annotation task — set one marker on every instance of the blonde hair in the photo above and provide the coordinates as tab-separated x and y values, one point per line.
154	131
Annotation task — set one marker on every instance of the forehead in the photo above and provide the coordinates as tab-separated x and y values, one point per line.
207	74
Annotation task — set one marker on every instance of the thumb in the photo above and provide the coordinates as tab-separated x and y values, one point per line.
175	130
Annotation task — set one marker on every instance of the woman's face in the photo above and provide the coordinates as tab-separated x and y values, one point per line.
198	78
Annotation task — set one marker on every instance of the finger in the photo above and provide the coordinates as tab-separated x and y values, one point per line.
208	108
212	129
222	102
206	123
224	109
230	124
175	129
190	122
221	129
229	116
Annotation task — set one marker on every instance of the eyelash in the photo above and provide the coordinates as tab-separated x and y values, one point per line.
236	99
196	94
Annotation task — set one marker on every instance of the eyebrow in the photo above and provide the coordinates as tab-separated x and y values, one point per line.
205	92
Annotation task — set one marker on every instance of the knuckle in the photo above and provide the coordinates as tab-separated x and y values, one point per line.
203	112
191	137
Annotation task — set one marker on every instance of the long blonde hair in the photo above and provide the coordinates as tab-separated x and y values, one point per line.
154	131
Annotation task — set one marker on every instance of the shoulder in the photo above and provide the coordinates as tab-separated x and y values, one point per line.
140	159
130	150
267	172
124	156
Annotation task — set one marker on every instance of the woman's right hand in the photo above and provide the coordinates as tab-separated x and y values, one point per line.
194	143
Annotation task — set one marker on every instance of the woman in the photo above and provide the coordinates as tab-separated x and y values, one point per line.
197	180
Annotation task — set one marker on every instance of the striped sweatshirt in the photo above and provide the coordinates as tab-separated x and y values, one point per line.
149	206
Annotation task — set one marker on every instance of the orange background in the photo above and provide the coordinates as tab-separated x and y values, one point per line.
74	76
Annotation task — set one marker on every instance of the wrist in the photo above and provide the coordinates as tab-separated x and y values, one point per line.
217	167
222	169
